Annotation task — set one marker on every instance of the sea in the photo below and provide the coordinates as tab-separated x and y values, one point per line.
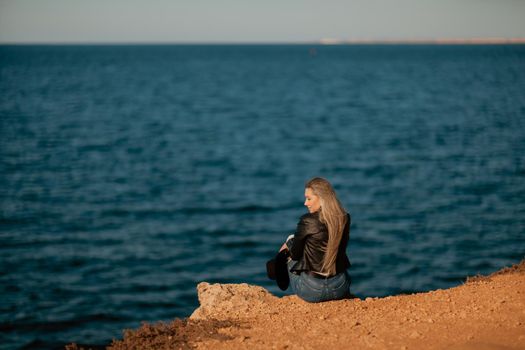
131	173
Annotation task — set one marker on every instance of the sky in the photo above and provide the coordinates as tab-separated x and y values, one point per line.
247	21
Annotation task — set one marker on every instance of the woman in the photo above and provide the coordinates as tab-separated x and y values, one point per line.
317	250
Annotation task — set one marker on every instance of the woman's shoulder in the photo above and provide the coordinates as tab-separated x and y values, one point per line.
310	219
309	223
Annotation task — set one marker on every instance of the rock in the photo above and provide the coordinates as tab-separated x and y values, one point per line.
415	334
221	301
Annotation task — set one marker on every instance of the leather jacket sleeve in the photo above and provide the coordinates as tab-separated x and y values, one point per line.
307	226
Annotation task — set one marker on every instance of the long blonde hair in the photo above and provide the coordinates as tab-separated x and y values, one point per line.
333	215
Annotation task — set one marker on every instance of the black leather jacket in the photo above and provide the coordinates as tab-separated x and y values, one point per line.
309	244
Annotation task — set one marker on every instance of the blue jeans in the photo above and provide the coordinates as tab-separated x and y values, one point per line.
315	290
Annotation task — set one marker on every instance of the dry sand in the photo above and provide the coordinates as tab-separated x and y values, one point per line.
484	313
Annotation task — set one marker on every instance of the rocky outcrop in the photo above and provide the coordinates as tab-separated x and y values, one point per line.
484	313
224	301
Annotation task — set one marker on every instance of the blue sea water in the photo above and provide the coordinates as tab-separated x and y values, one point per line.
129	174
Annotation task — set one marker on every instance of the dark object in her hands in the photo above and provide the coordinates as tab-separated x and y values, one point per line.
277	269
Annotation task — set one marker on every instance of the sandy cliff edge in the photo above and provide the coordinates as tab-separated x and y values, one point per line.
484	313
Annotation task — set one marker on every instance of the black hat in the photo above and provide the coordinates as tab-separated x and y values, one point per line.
277	269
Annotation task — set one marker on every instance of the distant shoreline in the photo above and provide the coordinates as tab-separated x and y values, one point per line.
437	41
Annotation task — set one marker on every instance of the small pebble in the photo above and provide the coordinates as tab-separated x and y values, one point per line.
414	334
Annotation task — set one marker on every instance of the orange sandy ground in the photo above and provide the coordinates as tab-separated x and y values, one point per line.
484	313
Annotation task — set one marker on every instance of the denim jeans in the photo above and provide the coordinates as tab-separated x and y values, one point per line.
315	290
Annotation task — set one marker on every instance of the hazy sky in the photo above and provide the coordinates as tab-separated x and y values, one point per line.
256	21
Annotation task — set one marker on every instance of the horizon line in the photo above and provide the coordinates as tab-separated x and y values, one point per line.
323	41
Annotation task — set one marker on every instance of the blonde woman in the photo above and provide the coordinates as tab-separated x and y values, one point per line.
317	251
